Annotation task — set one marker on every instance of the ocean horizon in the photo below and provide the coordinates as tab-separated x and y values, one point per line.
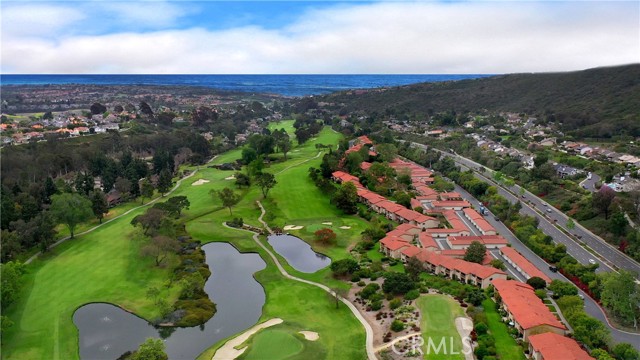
286	85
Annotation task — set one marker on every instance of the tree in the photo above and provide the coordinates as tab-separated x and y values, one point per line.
498	264
97	109
571	224
625	351
387	152
242	179
561	288
160	247
146	189
325	236
603	199
337	293
150	349
537	282
344	267
414	268
540	159
227	197
346	198
285	146
618	224
150	221
164	182
475	297
475	252
11	281
99	204
248	155
397	283
621	295
70	209
266	181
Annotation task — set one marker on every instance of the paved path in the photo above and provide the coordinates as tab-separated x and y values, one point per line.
369	331
399	338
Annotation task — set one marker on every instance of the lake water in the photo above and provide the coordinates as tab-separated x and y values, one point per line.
298	253
106	331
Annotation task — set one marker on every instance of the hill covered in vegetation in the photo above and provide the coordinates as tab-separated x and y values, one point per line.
599	102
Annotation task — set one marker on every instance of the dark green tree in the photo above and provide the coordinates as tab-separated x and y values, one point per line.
164	182
150	349
266	181
475	252
228	198
346	198
70	209
537	282
99	204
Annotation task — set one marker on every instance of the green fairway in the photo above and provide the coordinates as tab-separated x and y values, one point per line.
105	265
506	345
438	323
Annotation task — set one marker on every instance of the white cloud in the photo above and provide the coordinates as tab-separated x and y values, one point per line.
478	37
37	19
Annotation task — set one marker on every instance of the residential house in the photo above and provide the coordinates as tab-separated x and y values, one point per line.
552	346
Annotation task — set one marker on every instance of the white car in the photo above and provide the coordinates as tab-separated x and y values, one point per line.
591	261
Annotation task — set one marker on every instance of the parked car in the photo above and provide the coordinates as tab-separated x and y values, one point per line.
591	261
496	218
553	268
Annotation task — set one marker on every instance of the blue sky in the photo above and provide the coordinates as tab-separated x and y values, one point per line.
317	37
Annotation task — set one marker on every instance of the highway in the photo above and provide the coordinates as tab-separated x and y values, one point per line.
591	307
608	256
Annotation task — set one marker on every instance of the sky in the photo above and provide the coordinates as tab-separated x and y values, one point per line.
314	37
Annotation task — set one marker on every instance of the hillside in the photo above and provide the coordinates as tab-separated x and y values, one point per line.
597	102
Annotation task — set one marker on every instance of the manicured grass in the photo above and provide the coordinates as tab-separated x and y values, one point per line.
273	344
105	266
506	346
438	322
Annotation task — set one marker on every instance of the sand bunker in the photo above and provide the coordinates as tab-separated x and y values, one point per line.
228	351
310	335
292	227
345	227
200	182
230	177
327	223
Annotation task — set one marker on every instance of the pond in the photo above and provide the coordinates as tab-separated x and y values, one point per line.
298	253
106	331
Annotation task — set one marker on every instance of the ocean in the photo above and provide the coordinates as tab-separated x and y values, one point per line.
287	85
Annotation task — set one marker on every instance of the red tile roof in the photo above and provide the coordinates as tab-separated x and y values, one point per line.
523	263
527	309
426	241
394	243
451	203
411	251
553	346
365	165
483	239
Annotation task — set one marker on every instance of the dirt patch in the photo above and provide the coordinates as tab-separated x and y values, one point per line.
310	335
228	351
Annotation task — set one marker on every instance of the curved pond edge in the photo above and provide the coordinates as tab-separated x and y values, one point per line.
260	311
285	262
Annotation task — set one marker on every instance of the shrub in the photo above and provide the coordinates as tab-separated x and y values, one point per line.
369	290
412	295
481	328
395	303
397	325
376	305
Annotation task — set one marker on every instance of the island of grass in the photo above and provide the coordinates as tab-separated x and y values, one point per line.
439	313
105	265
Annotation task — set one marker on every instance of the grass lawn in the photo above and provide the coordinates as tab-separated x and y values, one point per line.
281	342
506	346
438	322
105	265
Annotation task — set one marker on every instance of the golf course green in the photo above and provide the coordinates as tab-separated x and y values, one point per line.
105	266
438	324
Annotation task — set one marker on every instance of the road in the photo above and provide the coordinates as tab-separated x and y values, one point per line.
590	184
591	307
